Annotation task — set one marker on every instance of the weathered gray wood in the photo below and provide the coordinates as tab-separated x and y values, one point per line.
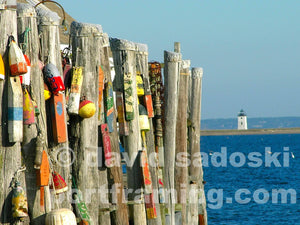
115	178
10	153
196	172
142	67
181	168
171	73
27	19
89	178
48	25
125	63
192	217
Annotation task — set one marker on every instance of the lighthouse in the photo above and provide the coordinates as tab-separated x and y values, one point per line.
242	120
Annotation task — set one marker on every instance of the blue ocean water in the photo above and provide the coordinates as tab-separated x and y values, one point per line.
247	194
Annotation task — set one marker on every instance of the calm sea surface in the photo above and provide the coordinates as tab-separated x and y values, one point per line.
242	185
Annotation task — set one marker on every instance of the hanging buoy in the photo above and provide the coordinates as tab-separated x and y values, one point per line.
100	94
148	98
15	110
59	128
39	149
28	108
25	78
43	175
129	111
74	97
143	118
61	217
106	145
47	93
17	62
53	78
123	124
19	202
2	69
139	85
109	106
86	109
59	184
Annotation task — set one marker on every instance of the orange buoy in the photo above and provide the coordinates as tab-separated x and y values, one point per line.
25	78
17	62
2	68
86	109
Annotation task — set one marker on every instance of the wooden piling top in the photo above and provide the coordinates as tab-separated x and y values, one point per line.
121	44
197	72
172	56
85	29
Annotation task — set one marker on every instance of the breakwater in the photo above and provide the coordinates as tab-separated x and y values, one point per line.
295	130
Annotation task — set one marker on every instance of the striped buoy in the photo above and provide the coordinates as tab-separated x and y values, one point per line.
74	97
28	108
53	78
25	78
86	109
15	110
17	62
2	69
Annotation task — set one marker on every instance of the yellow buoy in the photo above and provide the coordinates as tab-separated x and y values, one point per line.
139	85
86	109
2	69
143	119
47	93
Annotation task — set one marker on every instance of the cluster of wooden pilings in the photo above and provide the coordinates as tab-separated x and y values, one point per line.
155	117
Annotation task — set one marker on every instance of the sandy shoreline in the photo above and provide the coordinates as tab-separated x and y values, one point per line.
251	131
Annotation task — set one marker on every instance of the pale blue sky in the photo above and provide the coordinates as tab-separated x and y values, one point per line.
249	50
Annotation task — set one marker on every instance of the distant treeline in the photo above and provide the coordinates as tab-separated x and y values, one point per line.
253	123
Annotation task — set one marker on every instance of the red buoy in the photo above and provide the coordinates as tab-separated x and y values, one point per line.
53	78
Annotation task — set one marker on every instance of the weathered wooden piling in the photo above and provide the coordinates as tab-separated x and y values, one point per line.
171	74
10	153
125	66
195	170
181	168
119	216
84	132
29	40
48	25
142	67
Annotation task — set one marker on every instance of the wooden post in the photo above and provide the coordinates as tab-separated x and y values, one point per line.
125	65
181	168
196	172
84	132
30	43
171	74
10	153
115	176
142	67
50	48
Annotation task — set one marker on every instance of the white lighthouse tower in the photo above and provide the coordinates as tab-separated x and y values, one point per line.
242	120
